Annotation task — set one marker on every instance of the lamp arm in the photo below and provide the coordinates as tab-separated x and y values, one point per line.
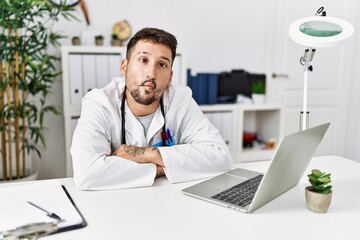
305	61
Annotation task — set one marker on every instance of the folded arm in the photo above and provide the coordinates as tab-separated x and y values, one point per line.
94	166
142	155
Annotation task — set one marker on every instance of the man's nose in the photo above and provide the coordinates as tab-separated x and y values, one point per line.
151	72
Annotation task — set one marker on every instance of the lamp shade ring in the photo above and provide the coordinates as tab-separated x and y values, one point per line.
318	32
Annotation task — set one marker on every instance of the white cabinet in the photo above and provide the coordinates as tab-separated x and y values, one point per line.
233	120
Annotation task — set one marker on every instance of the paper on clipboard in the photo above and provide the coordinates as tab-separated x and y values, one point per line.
50	195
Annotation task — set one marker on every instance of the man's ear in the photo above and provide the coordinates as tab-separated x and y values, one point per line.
123	66
170	80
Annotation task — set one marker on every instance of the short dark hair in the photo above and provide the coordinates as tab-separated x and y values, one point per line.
156	36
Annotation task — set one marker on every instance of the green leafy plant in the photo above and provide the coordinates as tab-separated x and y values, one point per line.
258	87
114	36
99	37
115	41
320	181
27	75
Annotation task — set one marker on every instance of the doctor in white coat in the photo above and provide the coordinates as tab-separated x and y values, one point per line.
140	127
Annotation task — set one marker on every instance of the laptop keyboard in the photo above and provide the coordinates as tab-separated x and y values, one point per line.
241	194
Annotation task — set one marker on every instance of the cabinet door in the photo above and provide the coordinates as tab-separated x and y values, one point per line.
102	70
76	79
89	73
73	123
223	121
114	65
177	71
227	130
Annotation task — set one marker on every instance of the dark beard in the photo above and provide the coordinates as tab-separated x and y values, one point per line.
142	100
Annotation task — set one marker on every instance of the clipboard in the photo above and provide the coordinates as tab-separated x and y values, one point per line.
19	218
82	224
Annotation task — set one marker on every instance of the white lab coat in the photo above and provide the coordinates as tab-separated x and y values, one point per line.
200	152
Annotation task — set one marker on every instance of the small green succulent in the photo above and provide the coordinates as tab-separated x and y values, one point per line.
114	36
320	181
258	87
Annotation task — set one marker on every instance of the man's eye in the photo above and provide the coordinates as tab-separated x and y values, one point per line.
163	65
144	60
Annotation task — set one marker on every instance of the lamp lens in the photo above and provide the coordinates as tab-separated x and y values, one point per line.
320	29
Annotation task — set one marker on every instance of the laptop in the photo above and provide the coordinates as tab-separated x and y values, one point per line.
246	190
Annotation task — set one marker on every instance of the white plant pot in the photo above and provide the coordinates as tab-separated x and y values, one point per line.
317	202
31	173
258	98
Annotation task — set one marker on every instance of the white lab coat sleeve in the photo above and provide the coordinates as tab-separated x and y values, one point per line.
200	151
94	167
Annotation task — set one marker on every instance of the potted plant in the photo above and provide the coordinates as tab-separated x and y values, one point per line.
318	195
258	92
115	41
76	41
27	75
99	40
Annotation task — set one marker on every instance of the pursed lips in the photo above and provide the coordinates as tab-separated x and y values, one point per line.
149	84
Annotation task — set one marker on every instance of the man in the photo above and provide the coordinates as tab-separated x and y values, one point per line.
140	127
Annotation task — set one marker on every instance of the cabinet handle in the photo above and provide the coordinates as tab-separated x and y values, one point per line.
280	75
76	91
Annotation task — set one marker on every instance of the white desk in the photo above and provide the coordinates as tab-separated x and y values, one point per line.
163	212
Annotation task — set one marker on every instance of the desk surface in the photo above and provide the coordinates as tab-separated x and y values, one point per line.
163	212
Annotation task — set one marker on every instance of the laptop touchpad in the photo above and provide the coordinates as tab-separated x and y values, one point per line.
224	181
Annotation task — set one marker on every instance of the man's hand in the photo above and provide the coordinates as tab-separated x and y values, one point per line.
159	171
140	154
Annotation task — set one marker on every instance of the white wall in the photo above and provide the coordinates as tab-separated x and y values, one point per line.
352	128
200	26
212	34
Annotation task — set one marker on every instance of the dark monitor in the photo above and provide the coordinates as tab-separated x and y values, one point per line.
230	84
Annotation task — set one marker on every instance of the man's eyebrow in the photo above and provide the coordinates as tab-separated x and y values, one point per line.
143	52
148	53
166	59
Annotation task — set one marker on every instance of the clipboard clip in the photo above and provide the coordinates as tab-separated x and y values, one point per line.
30	231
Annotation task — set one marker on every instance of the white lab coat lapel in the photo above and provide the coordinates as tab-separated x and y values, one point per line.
156	125
134	130
158	120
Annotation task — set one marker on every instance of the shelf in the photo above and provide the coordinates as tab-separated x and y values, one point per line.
218	107
92	49
262	119
248	155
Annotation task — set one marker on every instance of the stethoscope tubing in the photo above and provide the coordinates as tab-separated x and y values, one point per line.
122	113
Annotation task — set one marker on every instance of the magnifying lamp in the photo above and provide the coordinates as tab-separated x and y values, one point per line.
316	32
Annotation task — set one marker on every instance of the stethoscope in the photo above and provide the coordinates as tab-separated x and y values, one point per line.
122	110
